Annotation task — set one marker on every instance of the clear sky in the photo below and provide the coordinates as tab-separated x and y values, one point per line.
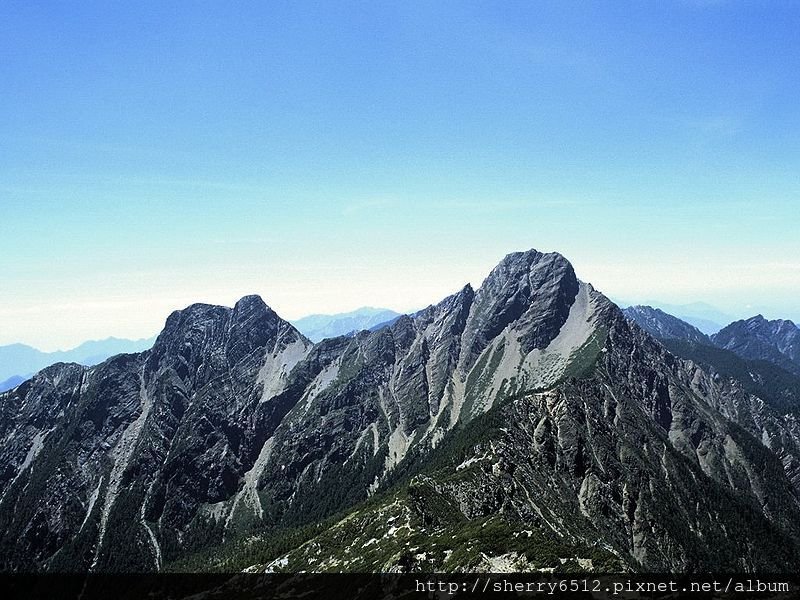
330	155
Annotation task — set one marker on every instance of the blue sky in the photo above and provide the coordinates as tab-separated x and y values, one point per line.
333	155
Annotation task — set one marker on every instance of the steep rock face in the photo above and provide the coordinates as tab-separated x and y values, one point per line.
778	388
528	292
235	425
122	454
385	393
777	341
663	326
630	463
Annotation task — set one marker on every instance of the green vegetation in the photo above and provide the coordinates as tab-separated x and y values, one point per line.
413	524
418	529
779	388
582	361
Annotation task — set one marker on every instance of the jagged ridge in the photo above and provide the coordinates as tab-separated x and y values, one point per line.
234	423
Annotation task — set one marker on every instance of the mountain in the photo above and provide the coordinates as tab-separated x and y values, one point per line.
511	426
17	359
705	317
777	341
319	327
664	326
776	386
12	382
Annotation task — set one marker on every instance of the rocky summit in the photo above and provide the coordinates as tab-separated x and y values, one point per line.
525	425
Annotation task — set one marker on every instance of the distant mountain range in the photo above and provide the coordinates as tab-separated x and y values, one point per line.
753	339
19	361
706	318
760	355
12	382
777	341
319	327
662	325
524	425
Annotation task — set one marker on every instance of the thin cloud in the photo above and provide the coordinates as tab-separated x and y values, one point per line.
369	205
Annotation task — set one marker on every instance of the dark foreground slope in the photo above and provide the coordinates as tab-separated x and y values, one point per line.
515	425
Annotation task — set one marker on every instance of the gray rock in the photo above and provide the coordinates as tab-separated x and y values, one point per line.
777	341
235	426
663	326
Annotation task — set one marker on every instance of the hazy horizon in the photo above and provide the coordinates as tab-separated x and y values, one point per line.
328	157
735	312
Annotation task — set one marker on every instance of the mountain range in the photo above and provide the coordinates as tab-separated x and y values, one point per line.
756	338
19	361
528	424
777	341
318	327
705	317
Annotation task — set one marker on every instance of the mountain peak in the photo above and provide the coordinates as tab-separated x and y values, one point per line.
526	272
249	302
756	319
528	291
525	268
530	257
207	329
251	308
